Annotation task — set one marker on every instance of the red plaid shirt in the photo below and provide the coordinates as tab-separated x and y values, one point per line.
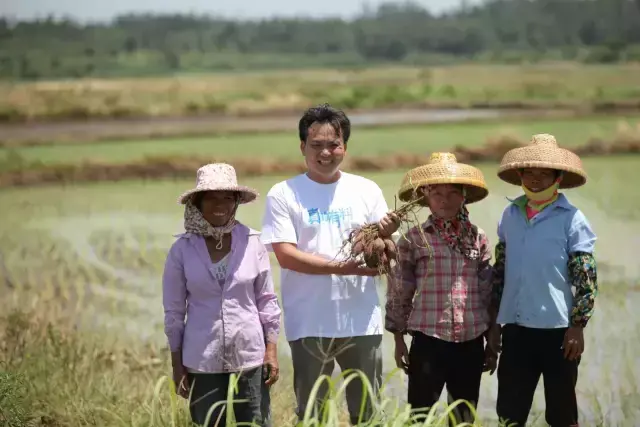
436	290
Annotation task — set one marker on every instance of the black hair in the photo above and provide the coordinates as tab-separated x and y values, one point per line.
196	199
325	113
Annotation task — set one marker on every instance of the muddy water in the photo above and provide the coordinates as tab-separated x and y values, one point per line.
176	126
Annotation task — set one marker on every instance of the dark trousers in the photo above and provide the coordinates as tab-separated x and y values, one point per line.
528	353
434	363
209	389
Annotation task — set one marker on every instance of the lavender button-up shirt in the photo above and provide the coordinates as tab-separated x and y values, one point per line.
226	326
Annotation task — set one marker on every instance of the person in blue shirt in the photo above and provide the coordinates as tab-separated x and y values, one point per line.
545	247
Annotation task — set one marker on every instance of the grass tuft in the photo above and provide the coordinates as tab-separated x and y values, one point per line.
55	375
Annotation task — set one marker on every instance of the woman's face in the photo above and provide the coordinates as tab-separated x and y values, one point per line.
217	207
444	200
538	179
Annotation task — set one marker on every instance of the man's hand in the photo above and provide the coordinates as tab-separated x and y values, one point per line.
356	268
270	365
573	343
401	353
291	258
389	225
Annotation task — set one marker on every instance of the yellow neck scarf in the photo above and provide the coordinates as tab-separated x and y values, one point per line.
540	200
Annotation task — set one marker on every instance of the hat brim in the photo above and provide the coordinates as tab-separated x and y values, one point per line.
475	186
247	194
535	156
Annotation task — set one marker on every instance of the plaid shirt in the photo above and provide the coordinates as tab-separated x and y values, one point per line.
435	290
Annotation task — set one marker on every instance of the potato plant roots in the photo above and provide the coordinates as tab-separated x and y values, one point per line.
366	244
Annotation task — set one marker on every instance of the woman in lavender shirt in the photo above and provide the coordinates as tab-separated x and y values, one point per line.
218	275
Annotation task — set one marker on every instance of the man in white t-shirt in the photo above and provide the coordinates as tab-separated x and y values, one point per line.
331	308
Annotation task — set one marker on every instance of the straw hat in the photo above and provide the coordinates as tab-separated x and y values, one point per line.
443	168
219	177
543	152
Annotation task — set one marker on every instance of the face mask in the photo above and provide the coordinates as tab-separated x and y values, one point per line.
543	195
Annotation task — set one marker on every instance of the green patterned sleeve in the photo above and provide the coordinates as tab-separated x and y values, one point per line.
497	280
583	276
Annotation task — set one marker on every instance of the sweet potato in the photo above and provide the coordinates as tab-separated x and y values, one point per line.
378	245
357	248
390	249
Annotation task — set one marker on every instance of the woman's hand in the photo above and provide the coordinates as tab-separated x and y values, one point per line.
270	365
573	343
401	353
181	381
494	335
490	360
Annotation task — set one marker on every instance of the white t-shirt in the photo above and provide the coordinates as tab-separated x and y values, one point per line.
317	218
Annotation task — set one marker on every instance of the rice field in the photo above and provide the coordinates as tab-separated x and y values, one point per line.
99	250
419	139
525	86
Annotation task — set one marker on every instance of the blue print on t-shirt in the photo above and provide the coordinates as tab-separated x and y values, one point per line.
336	216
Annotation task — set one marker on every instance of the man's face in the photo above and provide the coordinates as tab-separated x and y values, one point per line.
538	179
323	152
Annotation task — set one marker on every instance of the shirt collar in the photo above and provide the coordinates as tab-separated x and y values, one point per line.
560	202
429	226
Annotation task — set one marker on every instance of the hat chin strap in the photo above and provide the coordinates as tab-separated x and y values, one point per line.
226	229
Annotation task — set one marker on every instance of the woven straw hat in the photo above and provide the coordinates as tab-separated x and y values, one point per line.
543	152
443	168
219	177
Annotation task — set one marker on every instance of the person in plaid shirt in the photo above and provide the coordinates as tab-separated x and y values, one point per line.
440	290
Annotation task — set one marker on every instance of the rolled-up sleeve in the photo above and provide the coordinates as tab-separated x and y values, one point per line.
401	288
582	269
174	297
266	298
581	235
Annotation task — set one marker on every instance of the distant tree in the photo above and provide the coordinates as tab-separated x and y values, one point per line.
130	44
507	30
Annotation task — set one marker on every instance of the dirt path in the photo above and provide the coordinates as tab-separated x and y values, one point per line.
85	131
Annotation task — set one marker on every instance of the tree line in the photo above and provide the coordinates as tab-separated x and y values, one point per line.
497	30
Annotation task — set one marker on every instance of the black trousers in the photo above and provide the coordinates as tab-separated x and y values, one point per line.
434	363
209	389
528	353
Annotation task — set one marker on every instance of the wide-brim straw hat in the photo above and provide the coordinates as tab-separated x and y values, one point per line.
219	177
543	152
443	168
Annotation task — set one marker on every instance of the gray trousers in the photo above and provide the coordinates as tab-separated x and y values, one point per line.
314	356
209	389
